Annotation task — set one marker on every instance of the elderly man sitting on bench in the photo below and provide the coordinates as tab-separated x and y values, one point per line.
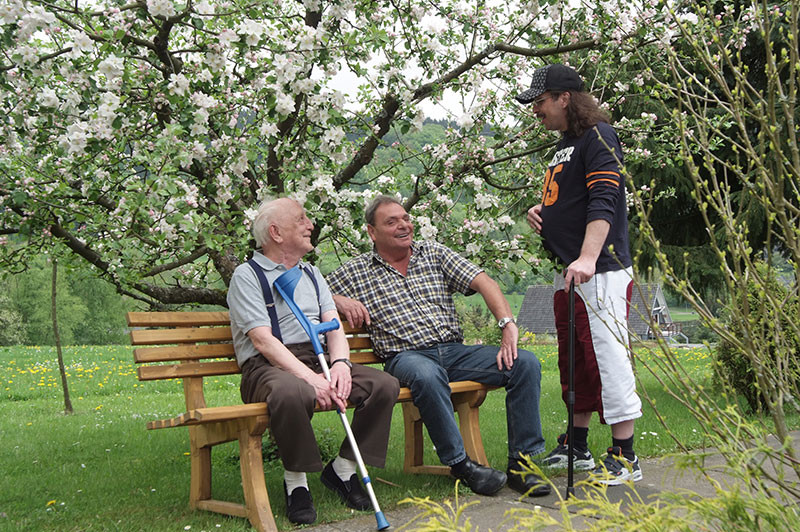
279	365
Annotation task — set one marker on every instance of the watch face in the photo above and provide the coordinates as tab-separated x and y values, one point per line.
505	321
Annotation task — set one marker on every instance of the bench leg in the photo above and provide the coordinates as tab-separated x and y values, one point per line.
467	405
200	458
259	511
414	449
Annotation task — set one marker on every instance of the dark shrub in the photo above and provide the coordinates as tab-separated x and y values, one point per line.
771	328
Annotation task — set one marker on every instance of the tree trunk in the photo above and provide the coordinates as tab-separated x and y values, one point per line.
67	402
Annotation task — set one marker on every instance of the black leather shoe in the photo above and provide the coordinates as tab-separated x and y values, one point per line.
350	491
526	482
480	479
299	506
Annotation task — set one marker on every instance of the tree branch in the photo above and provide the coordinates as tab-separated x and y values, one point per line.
178	263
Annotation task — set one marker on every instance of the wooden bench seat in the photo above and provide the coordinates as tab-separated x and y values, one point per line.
194	345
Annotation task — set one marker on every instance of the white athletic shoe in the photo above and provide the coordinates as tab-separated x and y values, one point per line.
616	469
559	457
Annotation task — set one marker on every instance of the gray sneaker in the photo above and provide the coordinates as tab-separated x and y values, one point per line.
616	469
559	457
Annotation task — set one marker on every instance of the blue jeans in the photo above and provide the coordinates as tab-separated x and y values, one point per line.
428	371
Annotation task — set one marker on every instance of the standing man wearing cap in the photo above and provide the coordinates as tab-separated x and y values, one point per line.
583	222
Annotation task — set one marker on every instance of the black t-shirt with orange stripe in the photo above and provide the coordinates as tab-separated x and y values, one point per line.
583	184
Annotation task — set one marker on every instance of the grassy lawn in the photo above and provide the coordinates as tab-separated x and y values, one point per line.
100	469
683	314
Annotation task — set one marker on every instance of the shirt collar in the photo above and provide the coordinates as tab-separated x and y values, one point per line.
268	264
377	256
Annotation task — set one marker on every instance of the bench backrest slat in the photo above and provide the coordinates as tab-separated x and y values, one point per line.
187	370
182	352
181	336
359	343
177	319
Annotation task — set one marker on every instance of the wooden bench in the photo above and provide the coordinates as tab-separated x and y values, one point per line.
194	345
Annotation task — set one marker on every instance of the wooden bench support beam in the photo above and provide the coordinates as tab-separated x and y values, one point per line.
248	431
466	405
259	511
200	459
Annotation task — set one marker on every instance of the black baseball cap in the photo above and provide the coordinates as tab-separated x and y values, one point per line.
551	78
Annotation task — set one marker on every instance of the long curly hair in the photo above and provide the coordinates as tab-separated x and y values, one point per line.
583	113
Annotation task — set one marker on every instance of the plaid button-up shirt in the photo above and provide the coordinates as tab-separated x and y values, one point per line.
412	311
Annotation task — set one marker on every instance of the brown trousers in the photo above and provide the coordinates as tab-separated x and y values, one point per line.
291	403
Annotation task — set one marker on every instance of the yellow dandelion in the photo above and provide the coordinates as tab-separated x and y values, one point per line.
51	503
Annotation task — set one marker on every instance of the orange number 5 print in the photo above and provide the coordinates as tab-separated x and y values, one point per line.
550	192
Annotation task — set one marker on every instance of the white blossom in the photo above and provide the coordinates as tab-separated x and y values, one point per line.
48	98
161	8
226	37
27	55
250	214
178	84
81	44
505	221
426	230
76	138
418	121
485	201
334	136
268	129
204	75
215	61
111	67
465	121
252	29
284	103
11	11
203	100
204	7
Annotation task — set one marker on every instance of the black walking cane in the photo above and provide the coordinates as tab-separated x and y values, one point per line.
571	390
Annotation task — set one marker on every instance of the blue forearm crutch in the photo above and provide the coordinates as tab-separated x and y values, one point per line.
285	285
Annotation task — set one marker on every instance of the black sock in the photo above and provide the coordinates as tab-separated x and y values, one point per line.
458	468
580	435
627	447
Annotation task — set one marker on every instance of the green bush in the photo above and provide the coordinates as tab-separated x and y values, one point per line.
766	322
697	333
12	328
478	324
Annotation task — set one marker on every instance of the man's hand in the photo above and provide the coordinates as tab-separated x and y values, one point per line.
353	310
326	395
341	381
508	347
581	270
535	218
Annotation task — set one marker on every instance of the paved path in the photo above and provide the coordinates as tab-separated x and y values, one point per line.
489	513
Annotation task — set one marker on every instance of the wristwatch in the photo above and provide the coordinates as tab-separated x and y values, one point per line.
505	321
343	361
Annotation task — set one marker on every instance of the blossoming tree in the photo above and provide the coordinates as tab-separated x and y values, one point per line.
140	135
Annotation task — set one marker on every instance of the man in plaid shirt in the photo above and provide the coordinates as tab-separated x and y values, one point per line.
403	291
